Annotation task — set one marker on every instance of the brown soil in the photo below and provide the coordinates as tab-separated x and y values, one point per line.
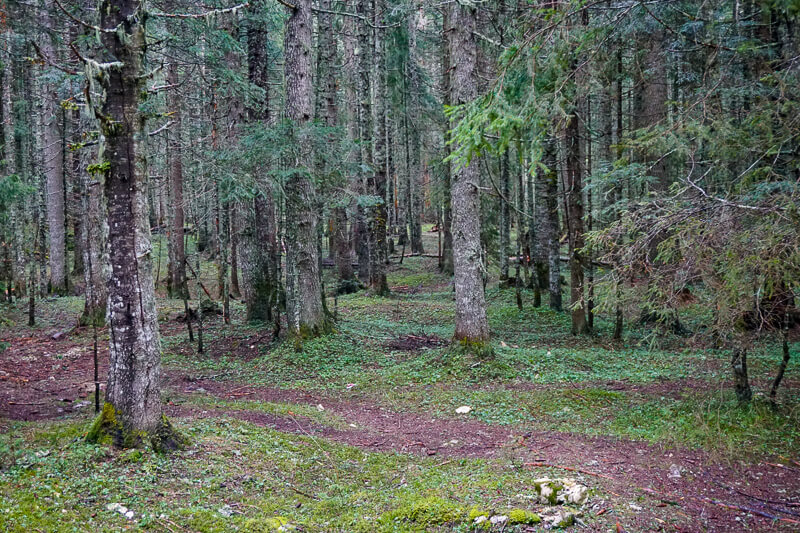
44	378
414	343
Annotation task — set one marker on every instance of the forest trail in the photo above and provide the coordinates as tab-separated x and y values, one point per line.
643	478
633	471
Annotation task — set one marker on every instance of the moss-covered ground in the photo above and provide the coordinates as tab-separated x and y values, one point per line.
651	391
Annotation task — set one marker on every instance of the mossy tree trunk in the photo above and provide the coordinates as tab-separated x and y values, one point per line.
132	414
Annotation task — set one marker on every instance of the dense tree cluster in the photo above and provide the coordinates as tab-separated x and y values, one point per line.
649	149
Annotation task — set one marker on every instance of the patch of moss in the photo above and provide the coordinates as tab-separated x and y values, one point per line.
273	523
107	429
482	349
306	332
426	512
522	516
476	511
548	490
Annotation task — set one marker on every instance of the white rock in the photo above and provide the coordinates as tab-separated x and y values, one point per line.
480	520
464	409
576	494
129	515
498	519
225	511
674	471
634	507
320	408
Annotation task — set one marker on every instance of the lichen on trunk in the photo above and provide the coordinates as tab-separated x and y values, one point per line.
132	415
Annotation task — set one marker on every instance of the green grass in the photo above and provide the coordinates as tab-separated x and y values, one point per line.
55	481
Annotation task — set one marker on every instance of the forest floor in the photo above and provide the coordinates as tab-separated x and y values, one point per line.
359	431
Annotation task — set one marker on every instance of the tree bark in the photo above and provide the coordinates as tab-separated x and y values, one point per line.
447	213
741	380
176	277
547	217
54	173
306	314
132	413
505	216
472	327
378	248
94	237
574	200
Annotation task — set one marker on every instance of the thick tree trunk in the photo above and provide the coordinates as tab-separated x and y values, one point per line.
132	413
260	291
74	215
472	327
650	103
258	248
306	313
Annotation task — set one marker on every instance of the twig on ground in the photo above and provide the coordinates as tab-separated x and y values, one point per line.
561	467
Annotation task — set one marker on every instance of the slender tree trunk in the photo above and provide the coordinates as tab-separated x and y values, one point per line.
95	250
547	213
306	314
741	380
505	216
378	255
54	171
176	276
132	413
773	391
574	199
447	214
414	88
472	327
234	239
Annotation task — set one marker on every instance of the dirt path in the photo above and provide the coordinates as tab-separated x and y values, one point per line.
642	476
42	378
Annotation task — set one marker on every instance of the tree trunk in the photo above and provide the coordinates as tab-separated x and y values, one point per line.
741	381
447	214
472	327
505	216
547	215
132	413
54	172
176	277
378	248
94	237
573	191
414	200
258	248
306	314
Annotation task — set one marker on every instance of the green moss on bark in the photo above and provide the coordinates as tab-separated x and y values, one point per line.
107	429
